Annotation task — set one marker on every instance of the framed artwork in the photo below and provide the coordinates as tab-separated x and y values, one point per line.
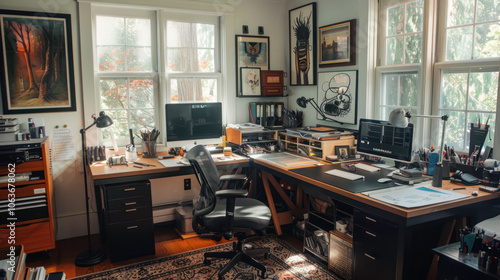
272	82
342	151
337	44
338	95
251	51
36	62
250	81
302	29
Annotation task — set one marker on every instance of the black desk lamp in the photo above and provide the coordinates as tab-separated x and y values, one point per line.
91	257
302	102
399	118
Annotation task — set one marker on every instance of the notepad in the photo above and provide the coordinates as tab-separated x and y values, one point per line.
345	175
366	167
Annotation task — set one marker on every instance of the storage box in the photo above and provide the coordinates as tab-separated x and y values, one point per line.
184	219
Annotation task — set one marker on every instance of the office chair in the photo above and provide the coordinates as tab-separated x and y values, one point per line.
214	218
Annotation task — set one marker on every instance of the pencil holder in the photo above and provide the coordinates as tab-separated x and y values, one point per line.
149	149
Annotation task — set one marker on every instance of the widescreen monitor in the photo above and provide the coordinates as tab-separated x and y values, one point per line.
381	139
190	124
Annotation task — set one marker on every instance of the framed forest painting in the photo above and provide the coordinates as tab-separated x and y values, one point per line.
36	62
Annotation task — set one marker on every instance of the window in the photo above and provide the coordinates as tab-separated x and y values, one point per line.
468	67
464	63
125	71
128	62
192	60
400	55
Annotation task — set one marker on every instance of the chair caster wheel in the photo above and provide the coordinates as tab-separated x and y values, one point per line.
263	275
266	256
207	262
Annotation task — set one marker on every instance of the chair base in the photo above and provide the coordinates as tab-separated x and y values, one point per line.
239	254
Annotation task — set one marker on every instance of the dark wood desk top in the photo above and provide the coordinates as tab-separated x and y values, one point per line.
100	170
400	211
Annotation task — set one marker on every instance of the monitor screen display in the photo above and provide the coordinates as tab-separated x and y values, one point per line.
379	138
193	121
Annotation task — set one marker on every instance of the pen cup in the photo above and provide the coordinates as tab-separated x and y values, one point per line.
149	149
131	154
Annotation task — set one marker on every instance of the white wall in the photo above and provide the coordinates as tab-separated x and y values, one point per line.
330	12
68	175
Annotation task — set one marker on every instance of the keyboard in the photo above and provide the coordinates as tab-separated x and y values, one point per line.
345	175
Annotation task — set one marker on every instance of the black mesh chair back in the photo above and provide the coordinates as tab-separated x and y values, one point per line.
202	158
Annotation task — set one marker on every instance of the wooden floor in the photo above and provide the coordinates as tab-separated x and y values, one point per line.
167	241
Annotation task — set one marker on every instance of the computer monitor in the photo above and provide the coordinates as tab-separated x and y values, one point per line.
190	124
381	139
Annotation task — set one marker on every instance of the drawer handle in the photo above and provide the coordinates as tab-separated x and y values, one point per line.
369	256
130	203
370	219
132	227
369	233
131	210
129	189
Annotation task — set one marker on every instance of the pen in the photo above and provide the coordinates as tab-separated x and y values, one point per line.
143	164
137	166
456	189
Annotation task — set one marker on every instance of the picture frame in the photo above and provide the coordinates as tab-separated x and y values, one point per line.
250	82
338	96
302	45
31	83
251	51
342	49
343	151
272	82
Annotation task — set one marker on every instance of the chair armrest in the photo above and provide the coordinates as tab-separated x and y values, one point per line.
239	177
231	193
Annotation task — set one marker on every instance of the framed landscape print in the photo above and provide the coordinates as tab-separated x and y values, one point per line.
338	95
302	29
337	44
36	62
251	51
250	81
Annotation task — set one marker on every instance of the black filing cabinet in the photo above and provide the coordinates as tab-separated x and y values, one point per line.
128	228
375	245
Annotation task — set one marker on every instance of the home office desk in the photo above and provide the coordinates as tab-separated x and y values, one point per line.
123	199
386	237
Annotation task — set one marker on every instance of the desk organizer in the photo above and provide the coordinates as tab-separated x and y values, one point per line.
477	171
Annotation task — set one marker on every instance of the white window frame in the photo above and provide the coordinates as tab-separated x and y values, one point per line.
491	64
98	10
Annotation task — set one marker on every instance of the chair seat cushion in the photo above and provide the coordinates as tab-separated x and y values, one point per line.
248	213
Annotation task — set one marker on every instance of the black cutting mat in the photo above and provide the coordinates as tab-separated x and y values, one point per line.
369	184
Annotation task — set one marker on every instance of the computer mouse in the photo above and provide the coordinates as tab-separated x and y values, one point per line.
384	180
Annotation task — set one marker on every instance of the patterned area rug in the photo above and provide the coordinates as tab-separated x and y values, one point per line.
284	263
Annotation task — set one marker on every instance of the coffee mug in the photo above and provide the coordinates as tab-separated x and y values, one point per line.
341	226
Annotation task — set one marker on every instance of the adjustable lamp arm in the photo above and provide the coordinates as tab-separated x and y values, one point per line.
302	102
444	118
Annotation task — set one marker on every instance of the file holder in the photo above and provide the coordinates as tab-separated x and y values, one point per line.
477	137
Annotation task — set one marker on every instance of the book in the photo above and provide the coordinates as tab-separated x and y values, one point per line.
56	276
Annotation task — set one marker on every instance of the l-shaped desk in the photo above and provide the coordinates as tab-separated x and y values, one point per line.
385	236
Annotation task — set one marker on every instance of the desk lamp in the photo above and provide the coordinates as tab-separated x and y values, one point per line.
91	257
302	102
399	118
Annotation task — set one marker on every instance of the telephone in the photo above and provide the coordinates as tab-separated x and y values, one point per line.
465	178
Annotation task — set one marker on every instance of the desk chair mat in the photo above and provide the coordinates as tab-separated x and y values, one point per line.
369	184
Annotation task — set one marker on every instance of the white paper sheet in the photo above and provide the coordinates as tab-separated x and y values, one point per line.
63	145
416	196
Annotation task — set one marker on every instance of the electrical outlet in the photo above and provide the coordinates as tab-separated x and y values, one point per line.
187	184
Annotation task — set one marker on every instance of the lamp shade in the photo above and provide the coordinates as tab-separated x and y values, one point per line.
103	120
302	102
398	118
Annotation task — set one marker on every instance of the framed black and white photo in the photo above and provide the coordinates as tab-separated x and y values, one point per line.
36	62
337	44
251	51
343	151
250	81
338	95
302	34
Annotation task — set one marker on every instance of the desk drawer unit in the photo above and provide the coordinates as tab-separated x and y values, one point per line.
375	245
131	239
128	220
